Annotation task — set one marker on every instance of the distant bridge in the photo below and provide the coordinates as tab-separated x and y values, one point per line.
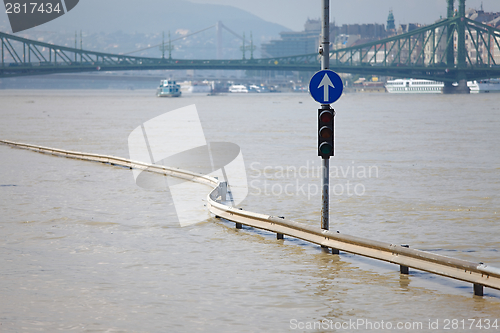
22	57
455	49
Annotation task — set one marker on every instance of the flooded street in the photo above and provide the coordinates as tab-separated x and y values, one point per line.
84	248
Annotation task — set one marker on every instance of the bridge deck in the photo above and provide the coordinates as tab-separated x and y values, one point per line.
425	53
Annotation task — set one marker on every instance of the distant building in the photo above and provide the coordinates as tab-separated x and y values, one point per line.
365	31
354	34
295	43
404	28
482	54
436	56
343	40
479	55
390	22
481	15
307	41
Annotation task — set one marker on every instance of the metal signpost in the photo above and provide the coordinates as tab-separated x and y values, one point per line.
325	87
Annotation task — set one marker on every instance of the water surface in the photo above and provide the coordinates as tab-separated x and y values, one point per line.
83	248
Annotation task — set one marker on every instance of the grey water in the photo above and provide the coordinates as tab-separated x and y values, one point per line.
83	248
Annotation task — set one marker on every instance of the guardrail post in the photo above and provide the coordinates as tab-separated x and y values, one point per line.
404	269
239	225
278	235
478	289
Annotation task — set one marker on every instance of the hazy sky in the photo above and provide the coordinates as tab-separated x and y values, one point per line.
293	13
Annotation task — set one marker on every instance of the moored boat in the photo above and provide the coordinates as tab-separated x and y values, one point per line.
168	88
485	86
414	86
200	87
418	86
238	88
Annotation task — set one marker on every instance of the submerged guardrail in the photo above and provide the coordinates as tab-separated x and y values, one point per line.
479	274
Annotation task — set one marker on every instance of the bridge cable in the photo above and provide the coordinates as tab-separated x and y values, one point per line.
173	40
234	33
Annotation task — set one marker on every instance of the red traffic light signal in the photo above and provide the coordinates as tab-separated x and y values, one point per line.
325	132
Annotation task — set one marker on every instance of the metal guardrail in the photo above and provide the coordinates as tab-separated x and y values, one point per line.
480	274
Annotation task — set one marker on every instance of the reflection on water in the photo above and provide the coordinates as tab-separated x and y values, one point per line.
85	248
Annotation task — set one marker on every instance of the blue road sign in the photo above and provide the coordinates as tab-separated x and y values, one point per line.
326	86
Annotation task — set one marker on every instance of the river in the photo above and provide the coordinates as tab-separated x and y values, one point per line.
83	248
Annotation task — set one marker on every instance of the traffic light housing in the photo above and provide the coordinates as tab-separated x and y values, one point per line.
325	132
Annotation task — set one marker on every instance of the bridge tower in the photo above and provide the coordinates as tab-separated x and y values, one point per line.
461	54
461	50
218	29
450	57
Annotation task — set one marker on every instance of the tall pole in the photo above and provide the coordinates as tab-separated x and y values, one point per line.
170	48
81	46
252	47
163	45
325	34
243	47
325	64
218	29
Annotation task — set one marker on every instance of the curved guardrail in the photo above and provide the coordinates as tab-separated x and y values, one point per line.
479	274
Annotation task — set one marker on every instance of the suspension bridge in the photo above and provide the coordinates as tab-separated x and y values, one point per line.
453	50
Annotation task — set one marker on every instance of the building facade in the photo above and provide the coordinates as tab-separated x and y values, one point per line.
295	43
307	41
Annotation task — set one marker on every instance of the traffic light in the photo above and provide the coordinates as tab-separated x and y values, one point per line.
325	132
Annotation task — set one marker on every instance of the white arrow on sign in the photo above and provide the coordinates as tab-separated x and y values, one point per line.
325	82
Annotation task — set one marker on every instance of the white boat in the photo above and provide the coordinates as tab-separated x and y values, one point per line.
238	88
413	86
484	86
168	88
254	88
417	86
199	88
